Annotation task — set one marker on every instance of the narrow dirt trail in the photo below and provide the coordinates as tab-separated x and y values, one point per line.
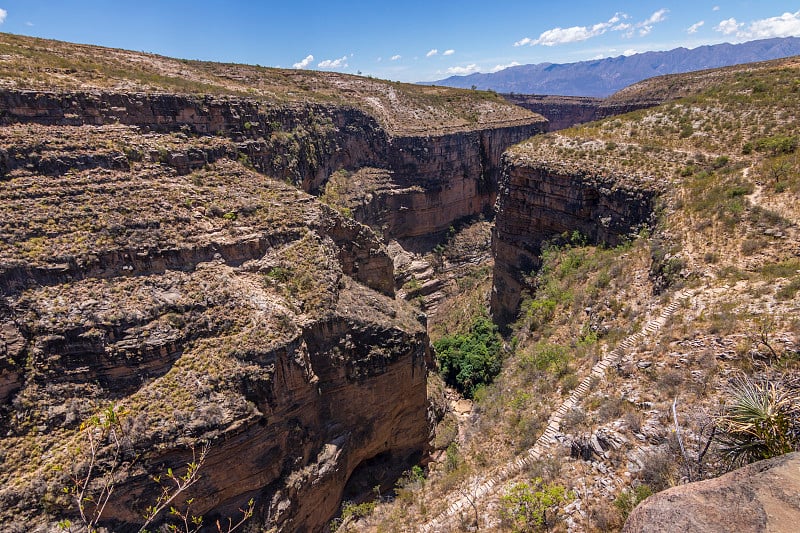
480	486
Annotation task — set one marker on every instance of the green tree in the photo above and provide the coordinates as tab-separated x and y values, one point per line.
470	360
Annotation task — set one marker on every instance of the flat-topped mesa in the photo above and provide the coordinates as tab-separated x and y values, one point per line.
541	197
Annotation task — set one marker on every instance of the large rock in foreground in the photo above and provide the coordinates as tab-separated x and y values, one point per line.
763	496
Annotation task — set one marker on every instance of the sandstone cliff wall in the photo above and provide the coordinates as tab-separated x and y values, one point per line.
537	202
565	111
435	180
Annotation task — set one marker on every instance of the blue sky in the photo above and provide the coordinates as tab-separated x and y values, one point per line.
409	40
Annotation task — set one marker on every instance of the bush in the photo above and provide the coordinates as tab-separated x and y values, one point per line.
533	506
628	499
545	357
470	360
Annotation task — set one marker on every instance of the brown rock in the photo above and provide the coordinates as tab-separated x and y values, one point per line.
537	202
761	497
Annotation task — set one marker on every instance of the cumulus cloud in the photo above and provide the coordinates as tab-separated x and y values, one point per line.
729	26
658	16
460	71
498	68
573	34
333	63
396	57
448	52
432	52
694	27
3	15
786	25
303	63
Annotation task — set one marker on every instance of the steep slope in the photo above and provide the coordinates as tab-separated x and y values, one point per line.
655	259
216	306
160	277
603	77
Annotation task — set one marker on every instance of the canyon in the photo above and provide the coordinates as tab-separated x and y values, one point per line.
237	262
163	254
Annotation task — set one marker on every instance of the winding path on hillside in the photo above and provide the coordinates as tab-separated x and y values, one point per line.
480	487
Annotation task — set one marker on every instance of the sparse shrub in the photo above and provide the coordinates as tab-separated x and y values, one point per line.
628	499
546	357
533	506
659	470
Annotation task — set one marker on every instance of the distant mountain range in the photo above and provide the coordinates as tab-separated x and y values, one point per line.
603	77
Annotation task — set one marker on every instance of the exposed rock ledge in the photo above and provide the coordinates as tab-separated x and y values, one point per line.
761	497
539	200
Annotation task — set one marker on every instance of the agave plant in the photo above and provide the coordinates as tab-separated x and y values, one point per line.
762	420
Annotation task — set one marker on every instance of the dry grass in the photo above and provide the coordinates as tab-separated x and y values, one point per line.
28	63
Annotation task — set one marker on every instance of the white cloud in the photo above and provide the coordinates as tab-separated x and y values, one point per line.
333	63
396	57
729	26
787	25
30	24
460	71
576	34
303	63
498	68
629	52
448	52
694	27
646	26
658	16
715	8
3	15
432	52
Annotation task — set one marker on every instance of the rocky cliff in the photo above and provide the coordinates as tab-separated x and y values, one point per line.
215	306
150	260
541	198
565	111
430	181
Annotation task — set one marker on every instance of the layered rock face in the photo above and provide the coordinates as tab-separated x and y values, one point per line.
759	497
429	182
432	180
565	111
212	305
538	201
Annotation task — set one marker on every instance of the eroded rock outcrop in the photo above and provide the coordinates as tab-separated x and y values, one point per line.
430	180
540	199
761	497
216	306
565	111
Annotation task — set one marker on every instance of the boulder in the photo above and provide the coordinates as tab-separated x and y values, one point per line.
761	497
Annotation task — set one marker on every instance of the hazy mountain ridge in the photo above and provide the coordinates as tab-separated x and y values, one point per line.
605	76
